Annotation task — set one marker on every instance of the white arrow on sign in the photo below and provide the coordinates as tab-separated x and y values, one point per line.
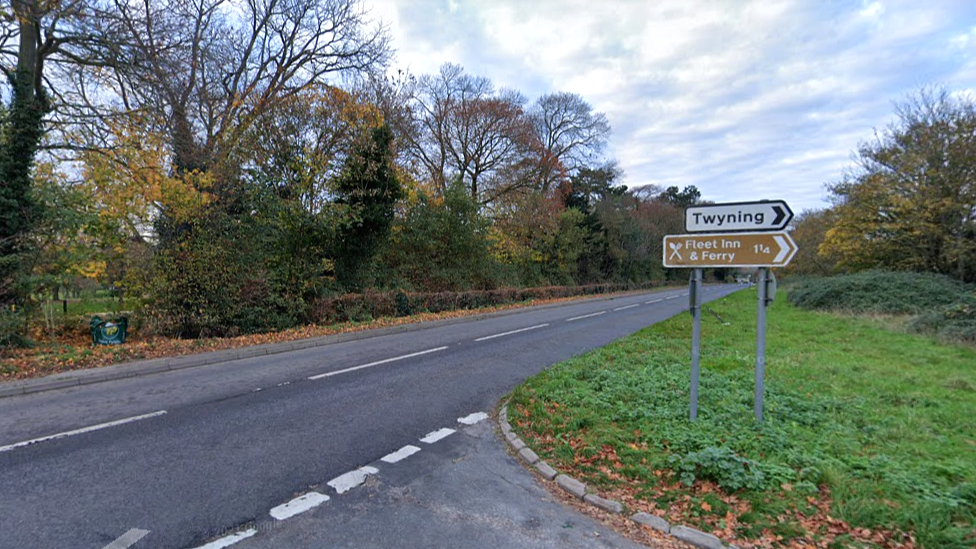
731	217
784	248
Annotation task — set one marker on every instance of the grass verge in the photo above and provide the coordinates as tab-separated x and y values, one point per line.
869	438
75	351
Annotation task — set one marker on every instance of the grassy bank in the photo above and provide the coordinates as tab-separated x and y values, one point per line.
869	438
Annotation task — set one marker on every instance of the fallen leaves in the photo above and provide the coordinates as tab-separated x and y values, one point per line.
76	352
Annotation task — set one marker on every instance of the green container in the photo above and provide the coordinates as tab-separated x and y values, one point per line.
109	333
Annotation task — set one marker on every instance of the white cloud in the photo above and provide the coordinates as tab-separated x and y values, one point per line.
744	99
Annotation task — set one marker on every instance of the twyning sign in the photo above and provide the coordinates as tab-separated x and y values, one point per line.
733	217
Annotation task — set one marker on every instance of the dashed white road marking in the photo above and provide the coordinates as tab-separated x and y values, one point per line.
673	297
82	430
627	307
283	383
437	435
471	419
227	541
512	332
347	481
377	363
401	454
127	539
298	505
585	316
653	301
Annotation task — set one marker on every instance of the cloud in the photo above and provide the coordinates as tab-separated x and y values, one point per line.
745	100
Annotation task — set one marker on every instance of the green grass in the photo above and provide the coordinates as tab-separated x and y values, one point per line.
880	423
83	306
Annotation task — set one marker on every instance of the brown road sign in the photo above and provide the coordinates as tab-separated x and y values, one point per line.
728	250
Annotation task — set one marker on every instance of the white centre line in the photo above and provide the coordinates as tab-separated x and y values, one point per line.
674	297
437	435
653	301
347	481
227	541
127	539
82	430
472	419
377	363
401	454
512	332
298	505
585	316
627	307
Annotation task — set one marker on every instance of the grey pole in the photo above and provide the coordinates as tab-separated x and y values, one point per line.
695	291
761	344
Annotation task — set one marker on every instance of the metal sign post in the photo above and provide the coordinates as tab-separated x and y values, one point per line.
739	234
694	294
761	345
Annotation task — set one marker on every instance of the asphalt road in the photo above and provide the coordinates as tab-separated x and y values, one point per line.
215	447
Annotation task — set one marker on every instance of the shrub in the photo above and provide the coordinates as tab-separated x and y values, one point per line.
955	322
373	304
877	292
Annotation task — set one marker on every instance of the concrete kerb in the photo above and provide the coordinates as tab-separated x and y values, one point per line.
578	489
152	366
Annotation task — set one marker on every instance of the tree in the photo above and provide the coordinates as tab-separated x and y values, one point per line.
369	187
464	129
809	229
571	135
21	130
441	244
689	196
204	71
910	202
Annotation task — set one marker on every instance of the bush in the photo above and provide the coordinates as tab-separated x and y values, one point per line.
359	307
955	322
12	329
877	292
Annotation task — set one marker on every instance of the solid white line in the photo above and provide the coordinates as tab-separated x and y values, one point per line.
627	307
437	435
347	481
512	332
377	363
298	505
401	454
474	418
585	316
227	541
653	301
82	430
127	539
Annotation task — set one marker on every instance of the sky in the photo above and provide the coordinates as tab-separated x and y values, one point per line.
746	100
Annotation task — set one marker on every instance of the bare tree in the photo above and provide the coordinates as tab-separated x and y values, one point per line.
572	135
204	70
464	129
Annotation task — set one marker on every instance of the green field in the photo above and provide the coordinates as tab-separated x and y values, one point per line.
870	433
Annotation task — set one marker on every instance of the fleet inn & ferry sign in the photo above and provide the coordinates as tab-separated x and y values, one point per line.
728	250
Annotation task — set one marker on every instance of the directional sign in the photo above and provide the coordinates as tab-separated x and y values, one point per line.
728	250
766	215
